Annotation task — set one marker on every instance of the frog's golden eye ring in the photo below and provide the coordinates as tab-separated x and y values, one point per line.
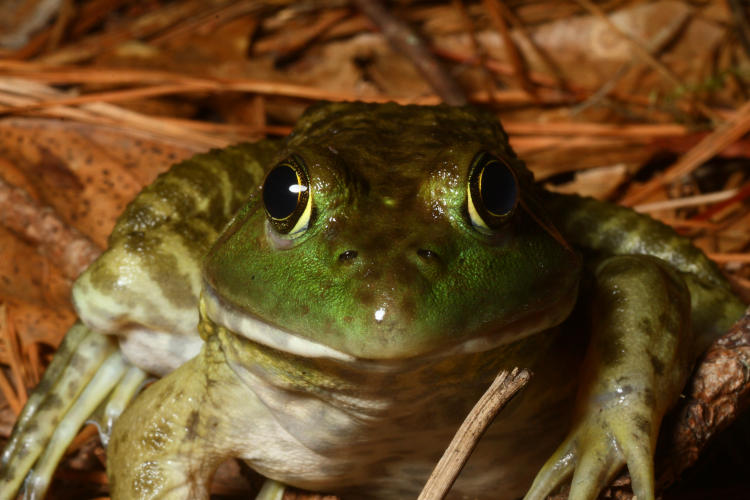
492	192
286	197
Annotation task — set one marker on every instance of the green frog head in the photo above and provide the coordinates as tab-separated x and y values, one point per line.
378	232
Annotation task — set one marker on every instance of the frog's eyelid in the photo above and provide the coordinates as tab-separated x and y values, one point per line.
304	219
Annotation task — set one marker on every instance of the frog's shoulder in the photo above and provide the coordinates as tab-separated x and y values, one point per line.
611	229
145	287
603	229
209	186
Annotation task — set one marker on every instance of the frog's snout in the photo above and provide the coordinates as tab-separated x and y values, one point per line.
348	256
423	256
388	288
394	267
427	255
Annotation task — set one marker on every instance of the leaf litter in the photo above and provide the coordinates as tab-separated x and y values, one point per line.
641	103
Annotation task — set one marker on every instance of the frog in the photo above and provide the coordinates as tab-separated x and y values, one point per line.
327	307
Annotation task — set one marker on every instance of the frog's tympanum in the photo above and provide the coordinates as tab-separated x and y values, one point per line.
328	307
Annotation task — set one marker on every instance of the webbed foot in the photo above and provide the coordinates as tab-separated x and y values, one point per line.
637	362
595	451
83	373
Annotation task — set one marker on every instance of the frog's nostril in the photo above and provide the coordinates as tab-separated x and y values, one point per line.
427	254
347	256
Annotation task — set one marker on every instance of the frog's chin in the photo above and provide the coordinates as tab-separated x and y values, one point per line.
255	329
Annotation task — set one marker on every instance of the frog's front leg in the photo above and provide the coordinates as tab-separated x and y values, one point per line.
636	365
86	369
169	442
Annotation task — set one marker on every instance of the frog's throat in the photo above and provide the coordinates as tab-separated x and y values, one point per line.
255	329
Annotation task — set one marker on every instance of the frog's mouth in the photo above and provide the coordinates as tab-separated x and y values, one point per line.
257	330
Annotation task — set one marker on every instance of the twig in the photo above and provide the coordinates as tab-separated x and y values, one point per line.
642	52
6	388
162	81
502	389
494	65
662	38
487	81
139	28
206	20
111	96
741	194
404	40
293	41
18	92
523	33
724	135
520	68
525	145
65	14
739	16
13	350
26	25
91	13
645	131
724	258
686	223
687	201
240	129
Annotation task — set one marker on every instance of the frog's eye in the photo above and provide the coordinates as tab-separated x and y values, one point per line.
492	192
286	196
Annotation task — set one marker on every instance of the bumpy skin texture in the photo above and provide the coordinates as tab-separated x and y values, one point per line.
344	357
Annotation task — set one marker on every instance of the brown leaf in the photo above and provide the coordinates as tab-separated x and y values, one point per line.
29	277
35	323
87	172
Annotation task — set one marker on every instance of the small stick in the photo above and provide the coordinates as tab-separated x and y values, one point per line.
741	194
739	16
642	52
503	388
404	40
661	39
486	81
725	258
516	58
721	138
687	201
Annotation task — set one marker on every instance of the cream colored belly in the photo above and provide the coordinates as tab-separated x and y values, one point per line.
386	451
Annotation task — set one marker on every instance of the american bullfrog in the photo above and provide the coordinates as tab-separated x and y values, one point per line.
329	306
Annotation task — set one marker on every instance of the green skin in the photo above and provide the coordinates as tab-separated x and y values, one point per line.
342	358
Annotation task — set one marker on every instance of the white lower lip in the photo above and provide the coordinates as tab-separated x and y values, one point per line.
268	335
263	333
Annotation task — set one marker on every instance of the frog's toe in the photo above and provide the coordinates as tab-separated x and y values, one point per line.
636	442
126	389
593	472
592	455
84	373
558	468
101	384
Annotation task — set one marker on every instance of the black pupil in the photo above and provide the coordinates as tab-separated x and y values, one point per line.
281	192
498	188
